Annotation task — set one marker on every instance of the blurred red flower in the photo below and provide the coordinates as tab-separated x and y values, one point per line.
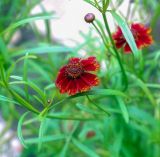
90	134
75	77
140	33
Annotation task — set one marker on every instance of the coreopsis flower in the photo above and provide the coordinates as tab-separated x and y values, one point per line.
76	76
140	33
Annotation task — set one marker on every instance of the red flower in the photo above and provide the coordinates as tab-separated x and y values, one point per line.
90	134
75	77
140	33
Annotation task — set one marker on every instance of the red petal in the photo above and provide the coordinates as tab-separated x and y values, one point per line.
90	79
127	49
81	85
119	43
118	34
64	87
90	64
74	60
72	88
140	28
145	40
139	43
63	84
61	75
137	26
119	38
143	37
62	70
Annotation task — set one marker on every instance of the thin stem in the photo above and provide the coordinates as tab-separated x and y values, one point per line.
125	79
59	102
96	3
100	34
103	39
100	108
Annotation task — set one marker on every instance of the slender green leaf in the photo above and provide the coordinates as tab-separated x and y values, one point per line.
27	20
98	22
19	78
123	109
19	129
50	86
98	106
45	139
11	68
2	74
25	75
3	50
70	117
33	86
141	84
5	99
41	132
86	109
105	5
150	85
40	70
69	137
23	102
102	92
127	33
43	50
89	152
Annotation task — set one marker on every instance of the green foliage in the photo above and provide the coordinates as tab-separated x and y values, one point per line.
124	122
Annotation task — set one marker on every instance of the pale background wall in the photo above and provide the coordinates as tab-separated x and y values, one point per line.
71	18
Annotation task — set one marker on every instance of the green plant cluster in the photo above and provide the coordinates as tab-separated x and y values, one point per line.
123	111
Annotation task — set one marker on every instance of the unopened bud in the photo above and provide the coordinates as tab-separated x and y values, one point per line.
89	18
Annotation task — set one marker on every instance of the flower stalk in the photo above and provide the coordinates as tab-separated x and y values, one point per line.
103	11
125	79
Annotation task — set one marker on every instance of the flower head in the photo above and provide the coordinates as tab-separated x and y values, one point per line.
89	18
140	33
75	77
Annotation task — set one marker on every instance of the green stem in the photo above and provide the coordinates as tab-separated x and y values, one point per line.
103	38
99	8
99	32
100	108
125	79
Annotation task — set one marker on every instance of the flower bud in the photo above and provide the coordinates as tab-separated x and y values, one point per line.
89	18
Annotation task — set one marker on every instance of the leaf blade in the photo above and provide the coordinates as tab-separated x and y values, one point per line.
127	33
19	129
123	109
